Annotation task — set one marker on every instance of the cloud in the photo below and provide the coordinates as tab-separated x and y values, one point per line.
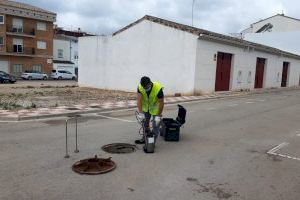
105	17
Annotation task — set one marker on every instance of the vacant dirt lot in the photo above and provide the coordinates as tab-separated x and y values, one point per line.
34	94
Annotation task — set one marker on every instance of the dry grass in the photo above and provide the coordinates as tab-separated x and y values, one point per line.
27	96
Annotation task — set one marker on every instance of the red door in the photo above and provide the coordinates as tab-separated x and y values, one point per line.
223	72
259	74
285	69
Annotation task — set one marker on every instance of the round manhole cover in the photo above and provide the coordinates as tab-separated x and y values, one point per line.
94	166
119	148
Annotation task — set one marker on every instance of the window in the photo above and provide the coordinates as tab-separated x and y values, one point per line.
41	45
1	19
17	25
1	40
17	69
37	68
17	45
60	53
41	26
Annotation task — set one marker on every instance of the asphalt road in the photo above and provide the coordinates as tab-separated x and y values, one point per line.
222	154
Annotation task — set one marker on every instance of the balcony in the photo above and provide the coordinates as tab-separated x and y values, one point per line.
19	51
19	31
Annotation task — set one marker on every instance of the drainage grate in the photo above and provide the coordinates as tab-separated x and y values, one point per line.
94	166
119	148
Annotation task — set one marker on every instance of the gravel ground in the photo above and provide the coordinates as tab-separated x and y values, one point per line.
35	94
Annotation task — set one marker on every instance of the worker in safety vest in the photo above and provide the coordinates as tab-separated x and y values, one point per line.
150	102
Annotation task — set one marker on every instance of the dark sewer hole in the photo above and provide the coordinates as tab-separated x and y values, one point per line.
94	166
95	106
72	109
119	148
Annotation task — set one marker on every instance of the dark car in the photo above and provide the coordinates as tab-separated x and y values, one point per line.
7	78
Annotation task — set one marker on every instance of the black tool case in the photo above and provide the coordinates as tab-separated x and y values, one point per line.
170	128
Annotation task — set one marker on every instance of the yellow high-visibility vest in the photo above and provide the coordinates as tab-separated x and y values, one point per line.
150	104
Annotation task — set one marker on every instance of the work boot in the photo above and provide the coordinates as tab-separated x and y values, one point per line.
140	141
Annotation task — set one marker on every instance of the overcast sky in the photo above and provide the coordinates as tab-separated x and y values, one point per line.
107	16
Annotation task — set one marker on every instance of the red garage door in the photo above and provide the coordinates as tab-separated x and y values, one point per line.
223	72
259	74
285	69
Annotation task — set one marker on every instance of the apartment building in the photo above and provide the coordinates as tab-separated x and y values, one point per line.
26	38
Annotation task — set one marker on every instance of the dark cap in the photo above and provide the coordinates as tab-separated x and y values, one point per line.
145	81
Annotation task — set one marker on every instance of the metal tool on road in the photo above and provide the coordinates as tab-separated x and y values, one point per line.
148	135
76	135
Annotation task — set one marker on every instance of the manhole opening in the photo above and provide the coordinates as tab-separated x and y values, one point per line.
94	166
119	148
72	108
95	106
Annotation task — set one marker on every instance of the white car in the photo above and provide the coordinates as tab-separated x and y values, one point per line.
30	75
62	74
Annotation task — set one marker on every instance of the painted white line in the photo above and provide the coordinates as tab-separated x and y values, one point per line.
211	108
113	118
232	105
249	102
288	156
261	100
272	151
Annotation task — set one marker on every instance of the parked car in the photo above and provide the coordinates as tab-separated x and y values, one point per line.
7	78
30	75
62	74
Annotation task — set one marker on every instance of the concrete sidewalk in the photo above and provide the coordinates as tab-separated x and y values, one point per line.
41	113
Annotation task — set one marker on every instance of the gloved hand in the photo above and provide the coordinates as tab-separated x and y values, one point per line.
157	119
141	116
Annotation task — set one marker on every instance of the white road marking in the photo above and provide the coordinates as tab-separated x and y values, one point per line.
114	118
272	151
211	108
280	146
232	105
288	156
249	102
261	100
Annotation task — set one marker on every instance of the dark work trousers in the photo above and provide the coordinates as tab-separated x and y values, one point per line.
155	127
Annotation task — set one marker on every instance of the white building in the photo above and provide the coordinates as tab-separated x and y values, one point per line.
276	23
184	59
278	31
65	53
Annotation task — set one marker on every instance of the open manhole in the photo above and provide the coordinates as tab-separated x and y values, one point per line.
94	166
119	148
72	108
95	106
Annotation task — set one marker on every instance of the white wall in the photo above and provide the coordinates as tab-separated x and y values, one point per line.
244	61
64	45
74	51
280	24
164	54
287	41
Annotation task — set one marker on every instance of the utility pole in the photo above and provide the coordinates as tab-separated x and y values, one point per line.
193	12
